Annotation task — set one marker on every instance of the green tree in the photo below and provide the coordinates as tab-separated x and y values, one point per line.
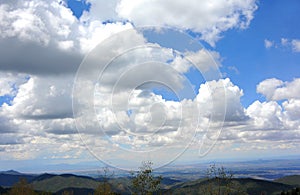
22	188
144	182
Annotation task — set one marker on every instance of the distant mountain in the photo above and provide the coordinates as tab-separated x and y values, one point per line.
11	172
43	177
293	180
9	178
48	176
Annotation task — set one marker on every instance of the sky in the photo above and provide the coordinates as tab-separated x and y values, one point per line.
119	82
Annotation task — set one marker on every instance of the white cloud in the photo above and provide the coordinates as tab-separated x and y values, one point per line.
176	121
47	38
102	10
223	99
268	43
291	44
49	48
31	113
89	34
296	45
292	109
266	115
36	21
10	83
268	123
275	89
42	98
204	59
208	18
271	121
39	119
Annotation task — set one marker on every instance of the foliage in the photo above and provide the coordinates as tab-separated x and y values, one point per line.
144	182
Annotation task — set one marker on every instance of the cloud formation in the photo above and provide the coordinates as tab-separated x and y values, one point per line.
208	18
275	89
38	37
42	45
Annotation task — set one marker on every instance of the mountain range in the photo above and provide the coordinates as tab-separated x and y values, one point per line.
58	184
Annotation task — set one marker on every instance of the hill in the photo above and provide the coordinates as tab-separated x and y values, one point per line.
238	186
55	183
77	184
293	180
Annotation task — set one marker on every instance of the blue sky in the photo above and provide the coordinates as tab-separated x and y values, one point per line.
245	49
78	7
231	68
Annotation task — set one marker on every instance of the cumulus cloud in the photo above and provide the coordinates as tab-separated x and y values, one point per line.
167	121
271	124
212	18
292	109
266	115
10	83
220	93
41	112
40	105
272	121
275	89
42	45
124	106
36	21
36	99
38	37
